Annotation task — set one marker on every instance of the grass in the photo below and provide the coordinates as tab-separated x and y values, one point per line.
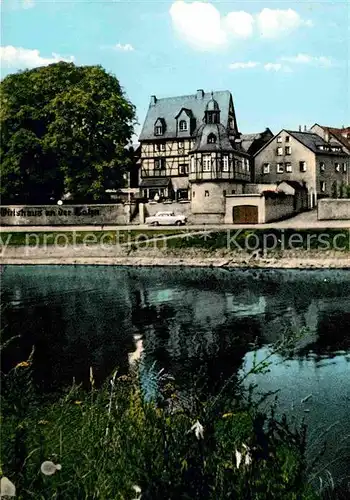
47	238
273	240
109	439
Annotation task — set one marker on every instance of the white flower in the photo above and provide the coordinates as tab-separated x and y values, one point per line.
246	454
48	468
7	488
238	458
198	429
137	491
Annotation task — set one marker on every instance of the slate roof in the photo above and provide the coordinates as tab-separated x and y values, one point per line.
169	107
312	141
249	142
222	142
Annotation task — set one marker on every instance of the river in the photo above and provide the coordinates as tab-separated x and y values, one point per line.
197	324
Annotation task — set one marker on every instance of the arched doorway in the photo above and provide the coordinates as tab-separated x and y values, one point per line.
245	214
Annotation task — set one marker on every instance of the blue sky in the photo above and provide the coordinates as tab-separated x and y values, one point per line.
286	63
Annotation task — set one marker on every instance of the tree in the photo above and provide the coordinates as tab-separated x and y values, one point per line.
64	129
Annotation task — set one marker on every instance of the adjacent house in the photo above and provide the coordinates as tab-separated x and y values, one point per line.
251	143
337	136
306	157
189	150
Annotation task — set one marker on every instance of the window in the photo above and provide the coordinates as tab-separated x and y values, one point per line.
302	166
206	163
159	164
287	138
183	125
289	167
183	169
158	130
206	193
337	167
225	165
280	168
159	146
280	151
247	166
323	186
211	139
266	168
224	192
180	145
279	139
233	191
344	167
193	165
193	194
322	166
288	150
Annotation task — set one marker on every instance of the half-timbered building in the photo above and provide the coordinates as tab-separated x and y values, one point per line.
190	149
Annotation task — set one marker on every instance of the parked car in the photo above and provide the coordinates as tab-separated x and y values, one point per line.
166	219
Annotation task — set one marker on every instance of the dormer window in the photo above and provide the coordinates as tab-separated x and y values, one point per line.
159	127
183	125
158	130
211	139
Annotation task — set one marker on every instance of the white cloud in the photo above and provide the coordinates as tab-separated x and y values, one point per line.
277	67
273	23
199	24
239	24
203	27
243	65
127	47
18	57
307	59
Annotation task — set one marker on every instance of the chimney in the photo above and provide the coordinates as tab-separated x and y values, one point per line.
299	128
200	94
305	129
153	100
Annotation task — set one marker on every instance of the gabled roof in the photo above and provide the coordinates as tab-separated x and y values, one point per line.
248	141
296	185
308	139
338	134
312	141
169	107
187	111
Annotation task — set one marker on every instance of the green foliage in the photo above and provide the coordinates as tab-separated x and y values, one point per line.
64	128
334	190
109	439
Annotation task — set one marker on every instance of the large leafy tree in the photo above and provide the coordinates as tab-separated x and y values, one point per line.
64	129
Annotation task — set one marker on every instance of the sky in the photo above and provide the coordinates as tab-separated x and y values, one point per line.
286	63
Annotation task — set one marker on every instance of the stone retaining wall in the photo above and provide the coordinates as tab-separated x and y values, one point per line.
332	209
54	215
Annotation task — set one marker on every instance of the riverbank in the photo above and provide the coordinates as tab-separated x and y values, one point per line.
190	257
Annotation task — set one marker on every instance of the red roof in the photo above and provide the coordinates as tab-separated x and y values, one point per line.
341	134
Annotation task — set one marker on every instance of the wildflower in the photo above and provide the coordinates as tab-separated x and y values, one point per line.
43	422
246	454
198	429
77	402
137	491
48	468
92	380
238	458
7	488
226	415
22	364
